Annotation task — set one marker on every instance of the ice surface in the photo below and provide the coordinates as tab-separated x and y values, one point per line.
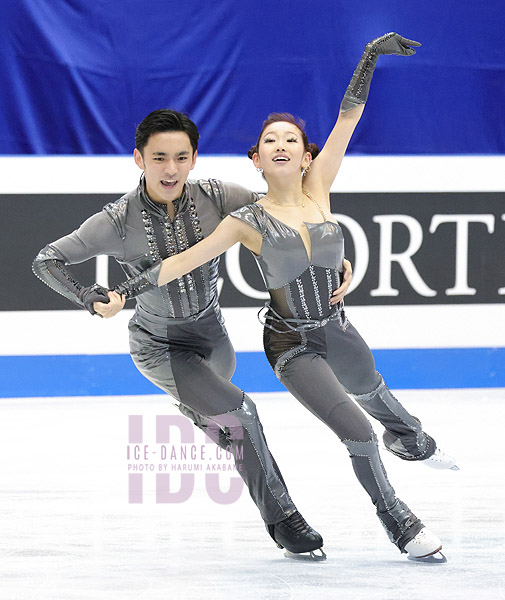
67	530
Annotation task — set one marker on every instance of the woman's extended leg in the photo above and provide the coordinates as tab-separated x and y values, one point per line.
352	362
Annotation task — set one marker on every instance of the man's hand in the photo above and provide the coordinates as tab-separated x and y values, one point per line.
111	308
338	294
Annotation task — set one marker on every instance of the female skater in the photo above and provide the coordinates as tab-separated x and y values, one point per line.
314	350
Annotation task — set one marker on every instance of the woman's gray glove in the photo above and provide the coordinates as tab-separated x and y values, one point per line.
143	282
358	88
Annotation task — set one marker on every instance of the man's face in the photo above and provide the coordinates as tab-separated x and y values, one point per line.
166	161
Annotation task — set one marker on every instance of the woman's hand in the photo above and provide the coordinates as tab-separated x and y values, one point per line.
392	43
338	294
111	308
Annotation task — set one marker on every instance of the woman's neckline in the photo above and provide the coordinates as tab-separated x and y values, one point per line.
289	226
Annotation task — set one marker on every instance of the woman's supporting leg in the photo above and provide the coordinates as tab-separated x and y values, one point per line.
310	379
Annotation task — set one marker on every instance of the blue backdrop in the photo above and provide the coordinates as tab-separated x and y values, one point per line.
77	76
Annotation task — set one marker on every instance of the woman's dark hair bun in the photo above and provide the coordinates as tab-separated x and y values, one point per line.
252	150
314	150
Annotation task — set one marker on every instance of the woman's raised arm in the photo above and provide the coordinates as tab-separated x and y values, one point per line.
326	165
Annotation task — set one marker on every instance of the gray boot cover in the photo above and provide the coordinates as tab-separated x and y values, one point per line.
398	520
243	432
404	435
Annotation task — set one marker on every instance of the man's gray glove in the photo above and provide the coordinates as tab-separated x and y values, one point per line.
358	88
91	294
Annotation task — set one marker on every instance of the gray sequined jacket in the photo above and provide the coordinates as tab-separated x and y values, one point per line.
138	232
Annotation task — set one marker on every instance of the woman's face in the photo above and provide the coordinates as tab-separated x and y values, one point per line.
281	150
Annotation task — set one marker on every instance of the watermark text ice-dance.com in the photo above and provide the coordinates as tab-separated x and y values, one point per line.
141	457
175	459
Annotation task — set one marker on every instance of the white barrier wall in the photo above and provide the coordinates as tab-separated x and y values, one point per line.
113	174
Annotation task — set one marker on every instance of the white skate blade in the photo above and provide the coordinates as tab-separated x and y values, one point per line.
435	465
310	556
434	559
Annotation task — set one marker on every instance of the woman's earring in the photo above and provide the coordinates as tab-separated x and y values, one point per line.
259	169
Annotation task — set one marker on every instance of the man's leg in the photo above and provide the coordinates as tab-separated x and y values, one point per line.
230	418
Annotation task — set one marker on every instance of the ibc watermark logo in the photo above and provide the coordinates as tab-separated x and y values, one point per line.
176	458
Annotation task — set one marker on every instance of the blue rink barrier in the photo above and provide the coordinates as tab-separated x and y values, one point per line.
116	375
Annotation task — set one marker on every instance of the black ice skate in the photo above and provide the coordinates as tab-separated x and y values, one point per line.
297	537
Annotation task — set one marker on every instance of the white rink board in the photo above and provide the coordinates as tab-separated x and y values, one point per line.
119	174
383	327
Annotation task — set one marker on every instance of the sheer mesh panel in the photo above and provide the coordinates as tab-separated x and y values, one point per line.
280	304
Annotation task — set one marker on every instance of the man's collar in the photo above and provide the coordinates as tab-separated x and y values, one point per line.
180	203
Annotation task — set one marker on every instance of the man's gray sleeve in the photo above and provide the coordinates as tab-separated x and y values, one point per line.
96	236
235	196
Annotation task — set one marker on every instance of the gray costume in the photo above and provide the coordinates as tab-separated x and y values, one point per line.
319	356
177	335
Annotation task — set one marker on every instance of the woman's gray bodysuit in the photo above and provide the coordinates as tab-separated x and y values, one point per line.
319	356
